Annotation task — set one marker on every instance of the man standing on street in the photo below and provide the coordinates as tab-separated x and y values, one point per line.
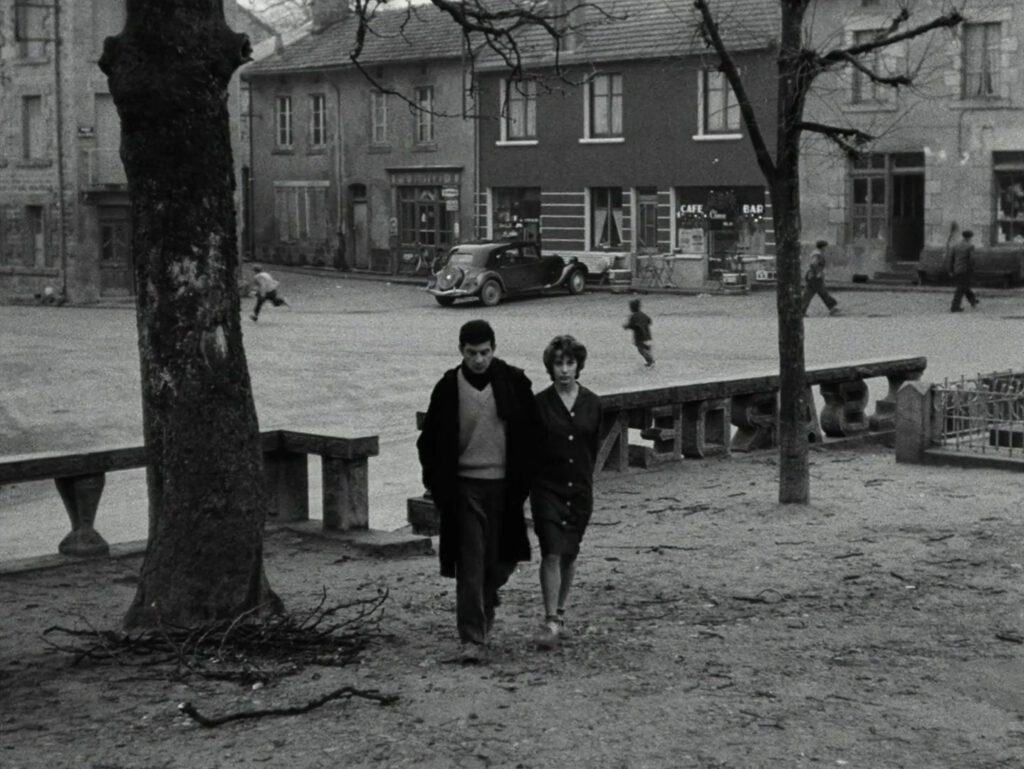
961	264
476	451
815	278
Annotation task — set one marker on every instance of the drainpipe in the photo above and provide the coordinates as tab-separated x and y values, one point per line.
339	173
59	112
250	216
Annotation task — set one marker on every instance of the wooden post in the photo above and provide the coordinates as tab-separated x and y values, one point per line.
613	449
81	496
286	474
346	493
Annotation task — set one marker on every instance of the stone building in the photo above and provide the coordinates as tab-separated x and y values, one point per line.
64	215
949	153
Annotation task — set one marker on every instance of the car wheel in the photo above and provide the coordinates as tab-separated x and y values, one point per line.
577	282
445	301
490	293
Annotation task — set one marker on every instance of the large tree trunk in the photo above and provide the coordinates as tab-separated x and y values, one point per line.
168	73
794	471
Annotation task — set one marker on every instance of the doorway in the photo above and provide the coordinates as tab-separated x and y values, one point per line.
907	217
115	251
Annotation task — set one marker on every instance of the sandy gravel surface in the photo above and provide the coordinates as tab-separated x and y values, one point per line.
879	627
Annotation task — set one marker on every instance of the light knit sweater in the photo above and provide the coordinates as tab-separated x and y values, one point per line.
481	433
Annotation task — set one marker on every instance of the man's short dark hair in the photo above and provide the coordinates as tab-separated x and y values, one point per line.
821	244
968	234
568	347
634	305
476	332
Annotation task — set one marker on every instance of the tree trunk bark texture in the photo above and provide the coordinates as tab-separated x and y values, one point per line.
168	73
794	469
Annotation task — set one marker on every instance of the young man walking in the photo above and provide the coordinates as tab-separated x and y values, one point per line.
266	290
815	278
476	450
961	264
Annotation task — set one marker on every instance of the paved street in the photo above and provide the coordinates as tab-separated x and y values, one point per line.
357	357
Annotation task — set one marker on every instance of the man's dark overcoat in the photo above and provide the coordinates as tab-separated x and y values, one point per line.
438	447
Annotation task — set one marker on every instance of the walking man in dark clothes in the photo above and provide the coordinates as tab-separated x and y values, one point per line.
476	450
815	278
961	264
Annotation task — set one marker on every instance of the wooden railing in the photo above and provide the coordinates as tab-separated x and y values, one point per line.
720	416
80	477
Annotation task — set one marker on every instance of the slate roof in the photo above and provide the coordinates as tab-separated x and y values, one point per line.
635	29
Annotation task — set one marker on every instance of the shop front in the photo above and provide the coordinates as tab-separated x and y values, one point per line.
724	225
427	206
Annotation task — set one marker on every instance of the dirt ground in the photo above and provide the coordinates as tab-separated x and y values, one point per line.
879	627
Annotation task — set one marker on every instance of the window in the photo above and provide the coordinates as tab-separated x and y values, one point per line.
519	110
317	121
378	117
23	236
868	213
606	217
605	107
516	213
424	98
719	106
981	44
880	61
32	27
647	235
33	141
283	122
1009	173
300	210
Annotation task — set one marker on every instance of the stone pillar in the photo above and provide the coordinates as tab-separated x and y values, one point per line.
346	493
81	496
914	421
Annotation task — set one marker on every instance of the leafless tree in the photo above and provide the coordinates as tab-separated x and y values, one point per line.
168	73
798	67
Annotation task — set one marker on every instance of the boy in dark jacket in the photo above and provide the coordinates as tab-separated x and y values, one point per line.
640	324
475	448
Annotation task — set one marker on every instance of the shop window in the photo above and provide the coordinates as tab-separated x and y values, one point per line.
516	213
1009	183
519	110
423	219
300	211
981	54
604	106
606	218
720	110
378	117
881	61
283	122
317	121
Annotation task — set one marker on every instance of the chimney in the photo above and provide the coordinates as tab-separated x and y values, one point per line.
327	12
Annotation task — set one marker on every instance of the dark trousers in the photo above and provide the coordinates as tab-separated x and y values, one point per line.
478	572
270	296
817	288
962	281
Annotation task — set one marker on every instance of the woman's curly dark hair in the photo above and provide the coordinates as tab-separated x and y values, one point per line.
565	346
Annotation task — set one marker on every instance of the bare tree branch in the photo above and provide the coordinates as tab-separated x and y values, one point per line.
843	55
848	139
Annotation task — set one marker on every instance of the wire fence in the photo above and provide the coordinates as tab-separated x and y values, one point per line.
984	414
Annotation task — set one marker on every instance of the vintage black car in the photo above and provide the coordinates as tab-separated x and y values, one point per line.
493	270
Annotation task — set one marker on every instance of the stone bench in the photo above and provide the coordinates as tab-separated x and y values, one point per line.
696	419
80	477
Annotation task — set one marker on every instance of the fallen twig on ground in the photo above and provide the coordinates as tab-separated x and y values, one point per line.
347	692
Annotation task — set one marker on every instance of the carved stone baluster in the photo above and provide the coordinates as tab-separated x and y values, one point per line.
844	411
81	496
884	417
756	417
706	428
